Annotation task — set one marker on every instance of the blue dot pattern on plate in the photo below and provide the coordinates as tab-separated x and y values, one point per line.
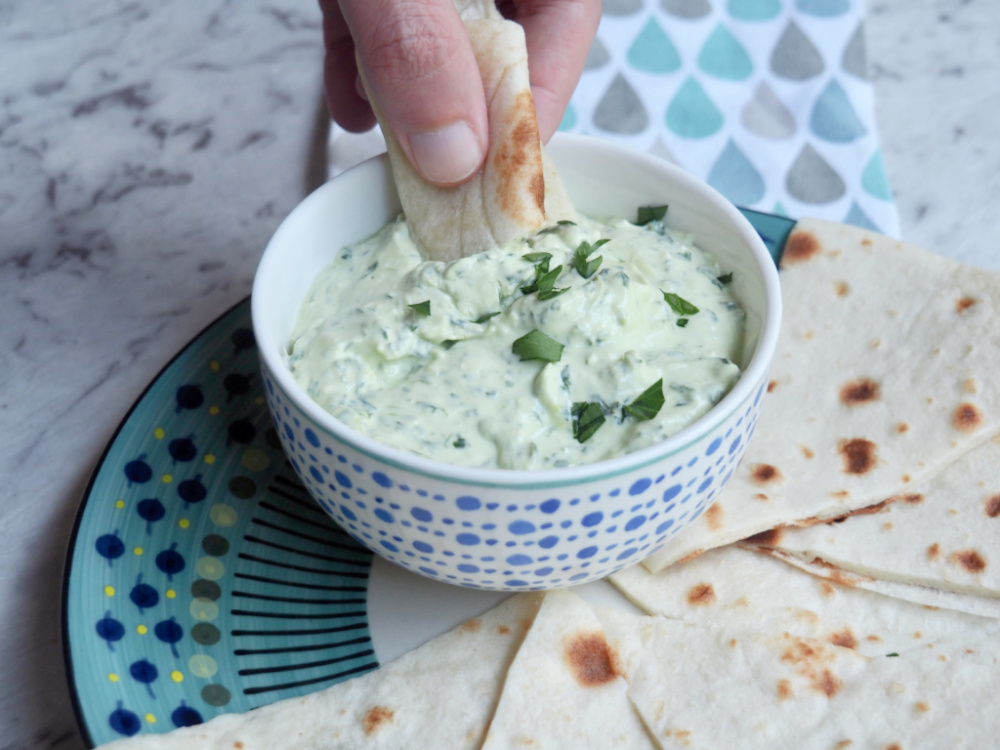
203	577
510	538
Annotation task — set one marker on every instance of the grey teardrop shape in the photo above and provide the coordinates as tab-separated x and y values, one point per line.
812	180
794	56
855	59
659	148
687	8
621	7
620	109
767	116
598	55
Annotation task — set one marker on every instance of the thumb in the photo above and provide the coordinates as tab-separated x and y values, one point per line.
419	68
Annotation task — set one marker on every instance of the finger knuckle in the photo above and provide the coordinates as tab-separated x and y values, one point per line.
409	47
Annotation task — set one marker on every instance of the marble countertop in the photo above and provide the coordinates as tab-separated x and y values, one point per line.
148	150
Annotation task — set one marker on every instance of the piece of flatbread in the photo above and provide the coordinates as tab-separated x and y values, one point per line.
736	588
440	695
883	375
518	190
562	690
700	687
944	533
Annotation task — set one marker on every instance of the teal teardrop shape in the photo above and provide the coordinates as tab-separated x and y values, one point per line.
859	218
652	51
569	118
874	179
691	114
823	8
754	10
722	56
833	118
735	177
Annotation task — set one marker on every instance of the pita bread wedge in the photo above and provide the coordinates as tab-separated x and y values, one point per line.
518	190
562	690
442	693
881	378
736	588
943	534
699	687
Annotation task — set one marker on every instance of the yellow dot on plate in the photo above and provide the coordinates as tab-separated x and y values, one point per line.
137	551
209	458
184	523
176	676
142	630
223	515
150	718
109	590
203	665
120	504
203	609
167	478
112	677
170	593
158	433
213	410
214	364
255	459
210	568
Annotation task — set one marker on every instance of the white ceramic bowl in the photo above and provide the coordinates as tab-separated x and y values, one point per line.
502	529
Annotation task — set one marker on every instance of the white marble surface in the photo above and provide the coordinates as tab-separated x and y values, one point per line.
148	149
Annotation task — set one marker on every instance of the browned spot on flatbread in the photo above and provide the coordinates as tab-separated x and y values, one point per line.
840	494
844	638
993	506
807	451
843	744
868	510
827	683
914	498
970	560
375	717
714	517
503	630
769	538
471	626
964	304
934	551
784	690
967	418
922	707
691	556
861	391
590	658
772	385
701	595
841	288
765	474
238	745
518	161
902	427
799	247
894	746
827	589
970	385
809	660
858	455
761	496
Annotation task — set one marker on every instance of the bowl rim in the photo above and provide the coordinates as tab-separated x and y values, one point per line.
753	374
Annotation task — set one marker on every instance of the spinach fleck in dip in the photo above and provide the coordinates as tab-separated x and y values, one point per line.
583	342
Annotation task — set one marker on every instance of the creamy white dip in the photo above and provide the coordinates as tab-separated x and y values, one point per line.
421	355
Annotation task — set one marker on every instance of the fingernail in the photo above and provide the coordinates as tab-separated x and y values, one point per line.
448	155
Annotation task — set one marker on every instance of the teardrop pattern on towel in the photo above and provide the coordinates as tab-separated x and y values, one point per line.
598	56
833	117
691	114
620	109
812	180
621	7
687	8
652	51
855	57
722	56
766	115
823	8
858	218
795	57
735	177
874	179
754	10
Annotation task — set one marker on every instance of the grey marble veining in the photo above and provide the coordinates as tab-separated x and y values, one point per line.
149	148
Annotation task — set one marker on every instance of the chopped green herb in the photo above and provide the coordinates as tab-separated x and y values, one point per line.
892	654
544	283
459	442
682	322
587	418
487	316
725	278
678	304
424	308
536	345
566	223
448	343
649	214
649	403
584	267
539	258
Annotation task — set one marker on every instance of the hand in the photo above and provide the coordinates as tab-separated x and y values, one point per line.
423	75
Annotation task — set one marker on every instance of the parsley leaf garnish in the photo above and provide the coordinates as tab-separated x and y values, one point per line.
725	278
649	403
678	304
536	345
649	214
587	418
542	258
487	316
682	322
584	267
424	308
459	442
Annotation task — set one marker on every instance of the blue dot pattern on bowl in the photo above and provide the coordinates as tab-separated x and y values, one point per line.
510	538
